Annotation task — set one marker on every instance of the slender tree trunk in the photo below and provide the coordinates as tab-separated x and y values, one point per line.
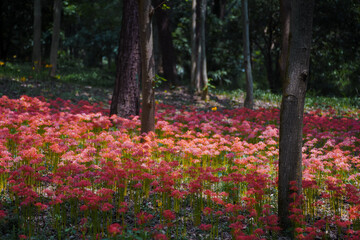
203	66
55	37
219	8
166	44
249	100
2	34
147	66
125	99
36	54
296	19
195	81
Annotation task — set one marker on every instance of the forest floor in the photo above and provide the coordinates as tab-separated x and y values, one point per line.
179	96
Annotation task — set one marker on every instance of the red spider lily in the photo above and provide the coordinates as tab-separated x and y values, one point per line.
143	217
207	211
115	229
169	215
59	152
205	227
106	207
41	206
160	236
2	214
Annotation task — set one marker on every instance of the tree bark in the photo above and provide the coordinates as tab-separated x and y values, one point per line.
36	54
55	37
219	8
249	99
195	73
147	66
296	19
125	99
199	78
166	44
203	66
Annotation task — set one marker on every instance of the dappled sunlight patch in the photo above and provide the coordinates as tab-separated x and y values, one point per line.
210	174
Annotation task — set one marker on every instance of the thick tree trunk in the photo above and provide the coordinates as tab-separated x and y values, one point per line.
249	99
55	37
199	78
125	99
166	45
36	54
296	16
147	66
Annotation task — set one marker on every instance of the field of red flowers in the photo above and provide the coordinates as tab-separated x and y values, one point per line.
68	171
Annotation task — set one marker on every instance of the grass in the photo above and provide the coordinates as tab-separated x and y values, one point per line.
312	100
76	82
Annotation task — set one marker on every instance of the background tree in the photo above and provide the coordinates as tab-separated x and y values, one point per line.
55	37
265	35
249	99
166	43
36	55
203	63
92	31
91	37
296	20
17	29
125	99
219	8
199	76
195	71
147	66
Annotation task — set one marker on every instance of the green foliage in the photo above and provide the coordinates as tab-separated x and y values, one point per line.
90	34
158	81
335	60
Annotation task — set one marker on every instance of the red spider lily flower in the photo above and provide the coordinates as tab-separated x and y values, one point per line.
169	215
115	229
22	236
84	208
259	232
159	226
83	221
205	227
41	206
2	214
342	224
143	217
106	207
219	213
160	236
207	211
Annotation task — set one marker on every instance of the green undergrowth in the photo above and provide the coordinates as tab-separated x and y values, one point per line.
76	82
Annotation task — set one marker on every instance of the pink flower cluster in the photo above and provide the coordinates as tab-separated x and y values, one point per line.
210	167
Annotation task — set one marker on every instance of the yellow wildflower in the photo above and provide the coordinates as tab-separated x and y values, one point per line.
214	108
23	79
2	63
